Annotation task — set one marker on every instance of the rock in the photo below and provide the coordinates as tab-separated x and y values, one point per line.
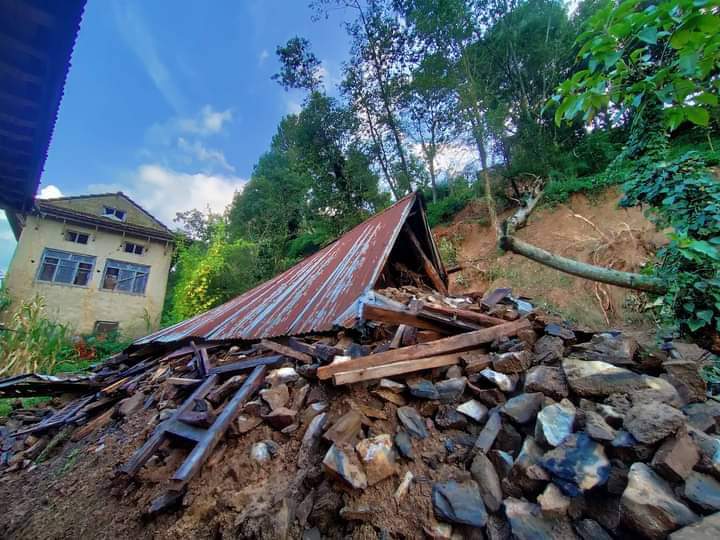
448	418
167	502
502	381
346	428
303	509
277	396
489	433
555	423
404	486
131	404
709	447
649	506
577	465
548	380
523	408
438	531
707	528
526	475
684	375
311	441
527	522
703	416
604	509
552	502
313	410
392	386
497	528
281	417
413	422
676	457
703	490
502	461
554	329
389	395
454	372
473	409
610	414
484	473
451	389
312	534
612	347
360	512
617	481
422	388
652	422
598	428
404	444
512	362
246	423
475	361
343	466
260	452
299	397
547	349
282	376
589	529
378	458
459	503
491	397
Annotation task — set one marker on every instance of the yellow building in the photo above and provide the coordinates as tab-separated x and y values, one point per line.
100	262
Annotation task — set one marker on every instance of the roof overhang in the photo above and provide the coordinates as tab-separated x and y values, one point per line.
36	42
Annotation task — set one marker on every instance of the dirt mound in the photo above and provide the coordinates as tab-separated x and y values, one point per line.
593	230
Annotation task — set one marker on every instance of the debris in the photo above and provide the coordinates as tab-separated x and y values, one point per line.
484	473
473	409
459	503
676	457
707	528
413	422
612	347
703	490
523	408
489	433
548	380
553	502
378	458
280	418
527	522
503	382
577	465
276	396
652	422
404	486
555	422
341	465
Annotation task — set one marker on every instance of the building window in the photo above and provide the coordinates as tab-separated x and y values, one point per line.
137	249
113	213
77	237
62	267
104	328
125	277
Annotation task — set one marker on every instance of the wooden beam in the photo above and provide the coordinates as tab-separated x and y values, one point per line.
397	338
459	343
465	314
429	267
397	368
397	317
286	351
233	368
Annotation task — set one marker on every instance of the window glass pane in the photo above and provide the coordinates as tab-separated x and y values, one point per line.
65	272
47	269
140	282
82	238
83	274
120	214
129	247
111	276
125	280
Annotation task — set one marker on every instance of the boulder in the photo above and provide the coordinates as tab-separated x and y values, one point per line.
512	362
282	376
684	375
552	501
459	503
598	428
311	440
413	422
281	417
577	465
547	349
523	408
589	529
703	490
707	528
652	422
612	347
593	379
548	380
555	423
527	522
649	506
344	466
276	396
676	457
404	444
451	390
473	409
504	382
484	473
378	458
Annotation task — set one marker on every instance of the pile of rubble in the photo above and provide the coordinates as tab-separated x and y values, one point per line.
440	417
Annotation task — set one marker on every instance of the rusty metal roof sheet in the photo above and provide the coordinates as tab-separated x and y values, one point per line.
318	294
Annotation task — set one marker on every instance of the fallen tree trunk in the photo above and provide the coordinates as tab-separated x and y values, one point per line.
627	280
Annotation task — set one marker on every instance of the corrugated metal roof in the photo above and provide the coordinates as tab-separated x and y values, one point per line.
318	294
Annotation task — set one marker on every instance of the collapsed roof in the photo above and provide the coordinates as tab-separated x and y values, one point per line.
326	290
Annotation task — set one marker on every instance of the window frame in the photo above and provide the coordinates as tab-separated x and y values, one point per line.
112	213
140	270
77	234
62	259
135	245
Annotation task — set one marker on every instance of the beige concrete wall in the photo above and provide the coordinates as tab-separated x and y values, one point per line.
82	306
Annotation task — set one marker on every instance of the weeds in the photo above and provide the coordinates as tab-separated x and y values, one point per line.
448	251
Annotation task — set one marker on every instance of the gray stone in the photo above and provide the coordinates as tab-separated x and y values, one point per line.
489	433
393	386
548	349
612	347
344	466
526	475
554	329
553	502
703	490
497	528
484	473
459	503
282	376
502	381
589	529
473	409
404	444
707	528
527	522
281	417
512	362
577	465
652	422
413	422
548	380
451	389
422	388
523	408
131	404
676	457
555	423
703	416
276	396
598	428
448	418
453	372
649	507
260	452
685	376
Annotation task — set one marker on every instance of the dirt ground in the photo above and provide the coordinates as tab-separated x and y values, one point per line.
590	230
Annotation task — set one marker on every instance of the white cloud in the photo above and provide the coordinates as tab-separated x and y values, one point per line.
293	106
49	192
204	154
206	122
164	192
264	55
451	159
138	37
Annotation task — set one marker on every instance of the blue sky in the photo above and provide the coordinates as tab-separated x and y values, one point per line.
171	101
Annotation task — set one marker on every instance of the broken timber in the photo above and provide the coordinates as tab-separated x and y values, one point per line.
461	342
397	368
428	266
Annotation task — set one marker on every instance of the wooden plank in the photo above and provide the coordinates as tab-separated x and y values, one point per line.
397	338
182	381
204	448
234	368
114	386
302	347
202	361
286	351
429	267
396	368
397	317
461	342
466	314
93	425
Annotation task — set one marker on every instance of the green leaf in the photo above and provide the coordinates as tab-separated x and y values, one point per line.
698	116
680	38
648	35
688	63
707	98
706	248
705	315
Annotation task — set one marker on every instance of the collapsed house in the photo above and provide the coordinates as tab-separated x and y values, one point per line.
351	396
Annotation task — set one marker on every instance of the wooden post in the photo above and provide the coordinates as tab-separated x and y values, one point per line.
429	267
